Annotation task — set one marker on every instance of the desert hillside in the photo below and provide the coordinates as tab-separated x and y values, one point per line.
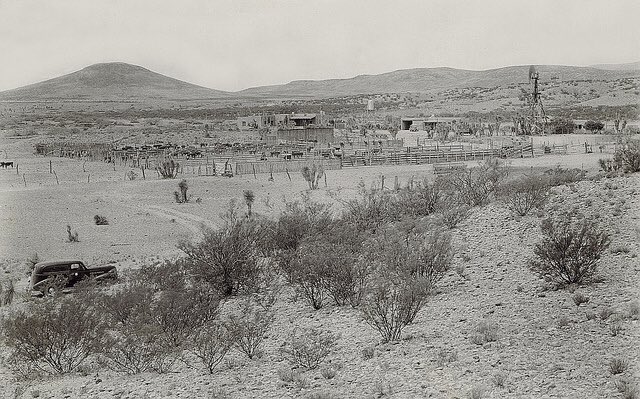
491	328
114	81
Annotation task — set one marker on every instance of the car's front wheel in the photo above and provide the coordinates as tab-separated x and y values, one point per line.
51	291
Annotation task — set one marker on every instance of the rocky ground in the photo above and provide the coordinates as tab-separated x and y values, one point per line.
545	347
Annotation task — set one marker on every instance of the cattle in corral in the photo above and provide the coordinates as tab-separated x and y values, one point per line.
6	164
297	154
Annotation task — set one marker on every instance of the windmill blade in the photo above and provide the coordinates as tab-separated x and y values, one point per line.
532	72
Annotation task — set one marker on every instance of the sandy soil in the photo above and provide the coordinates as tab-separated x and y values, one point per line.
541	358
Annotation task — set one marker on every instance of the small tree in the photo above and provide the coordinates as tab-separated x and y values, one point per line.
228	259
211	345
312	174
563	126
594	126
569	251
248	328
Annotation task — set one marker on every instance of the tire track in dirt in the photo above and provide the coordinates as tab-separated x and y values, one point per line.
192	222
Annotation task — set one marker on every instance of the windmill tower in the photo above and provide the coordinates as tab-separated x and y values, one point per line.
537	119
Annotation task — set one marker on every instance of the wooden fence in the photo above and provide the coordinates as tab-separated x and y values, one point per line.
282	166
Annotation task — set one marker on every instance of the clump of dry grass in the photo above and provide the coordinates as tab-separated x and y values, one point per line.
485	332
618	366
579	298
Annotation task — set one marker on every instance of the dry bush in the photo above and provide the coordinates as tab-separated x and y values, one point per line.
420	200
211	344
100	220
329	265
477	392
450	212
618	366
499	379
7	292
168	169
628	157
485	332
72	236
525	194
569	251
248	328
312	174
53	336
31	262
371	209
228	259
560	176
392	303
308	348
579	298
476	186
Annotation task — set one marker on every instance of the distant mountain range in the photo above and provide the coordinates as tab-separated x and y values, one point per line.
125	82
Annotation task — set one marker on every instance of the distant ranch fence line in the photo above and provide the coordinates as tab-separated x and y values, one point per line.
246	168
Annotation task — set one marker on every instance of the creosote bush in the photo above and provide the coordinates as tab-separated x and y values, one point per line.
228	259
525	194
569	251
248	328
559	176
211	344
476	186
53	336
308	348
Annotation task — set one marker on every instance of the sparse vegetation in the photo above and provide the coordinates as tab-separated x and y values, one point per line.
100	220
618	366
72	236
312	174
168	169
309	348
569	252
579	298
525	194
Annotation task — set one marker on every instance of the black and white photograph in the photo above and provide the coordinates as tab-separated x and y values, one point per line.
319	199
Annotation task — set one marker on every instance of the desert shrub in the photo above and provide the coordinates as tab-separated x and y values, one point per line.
371	209
420	200
168	169
299	219
615	328
72	236
476	186
579	298
100	220
182	197
228	259
610	166
451	212
308	348
368	352
7	292
312	174
559	176
485	332
137	347
499	379
328	372
393	302
248	328
525	194
569	251
629	157
627	389
410	251
618	366
329	265
211	344
605	313
53	336
477	392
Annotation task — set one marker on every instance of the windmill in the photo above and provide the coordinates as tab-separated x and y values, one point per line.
537	116
534	119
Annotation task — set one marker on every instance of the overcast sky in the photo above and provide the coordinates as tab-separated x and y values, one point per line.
235	44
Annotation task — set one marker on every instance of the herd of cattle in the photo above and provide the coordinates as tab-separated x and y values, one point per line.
6	164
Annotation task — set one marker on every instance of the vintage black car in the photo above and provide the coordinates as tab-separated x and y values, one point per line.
50	277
